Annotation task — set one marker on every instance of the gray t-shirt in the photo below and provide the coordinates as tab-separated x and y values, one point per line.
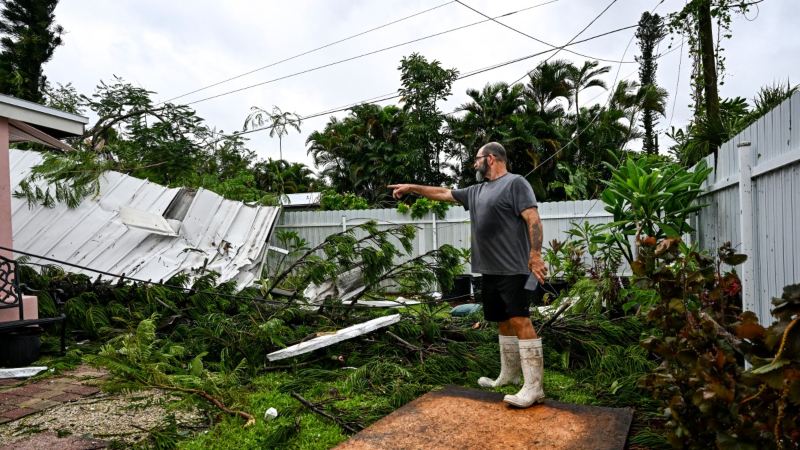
500	242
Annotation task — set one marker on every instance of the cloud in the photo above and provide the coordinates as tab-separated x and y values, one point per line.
175	47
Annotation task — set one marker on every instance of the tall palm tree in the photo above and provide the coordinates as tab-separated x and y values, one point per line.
582	78
278	122
491	107
488	116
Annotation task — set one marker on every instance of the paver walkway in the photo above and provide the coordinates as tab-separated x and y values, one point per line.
19	398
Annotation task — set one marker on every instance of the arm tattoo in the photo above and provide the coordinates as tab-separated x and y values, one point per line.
535	232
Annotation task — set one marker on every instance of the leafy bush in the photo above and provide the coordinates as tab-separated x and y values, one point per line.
422	207
709	397
333	201
651	198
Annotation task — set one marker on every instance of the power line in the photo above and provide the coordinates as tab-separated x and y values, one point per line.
609	101
576	36
677	83
634	73
546	51
307	52
537	39
373	52
596	116
390	96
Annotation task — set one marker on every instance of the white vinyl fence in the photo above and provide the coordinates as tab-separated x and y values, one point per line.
454	229
753	201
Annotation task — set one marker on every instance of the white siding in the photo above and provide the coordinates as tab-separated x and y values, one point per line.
775	157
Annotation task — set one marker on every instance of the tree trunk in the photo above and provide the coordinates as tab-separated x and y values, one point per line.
707	56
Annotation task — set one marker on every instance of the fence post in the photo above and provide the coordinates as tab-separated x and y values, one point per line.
746	225
435	231
344	223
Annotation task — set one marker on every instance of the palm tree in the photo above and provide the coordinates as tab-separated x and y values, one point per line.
547	83
579	79
276	175
625	98
278	120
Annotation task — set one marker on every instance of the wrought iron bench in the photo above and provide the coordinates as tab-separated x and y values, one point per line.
11	297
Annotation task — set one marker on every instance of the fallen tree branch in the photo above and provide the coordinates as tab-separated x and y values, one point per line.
555	316
218	403
322	413
404	342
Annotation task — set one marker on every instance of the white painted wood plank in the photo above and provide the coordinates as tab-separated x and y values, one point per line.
778	201
796	217
21	372
794	136
788	229
341	335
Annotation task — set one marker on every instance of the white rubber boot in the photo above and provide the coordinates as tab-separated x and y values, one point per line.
509	364
530	354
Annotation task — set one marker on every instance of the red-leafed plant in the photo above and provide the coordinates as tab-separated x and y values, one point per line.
711	399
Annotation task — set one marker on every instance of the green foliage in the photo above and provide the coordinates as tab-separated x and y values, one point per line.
422	207
423	85
29	38
565	260
333	201
709	398
599	244
164	143
693	143
282	176
649	34
651	200
63	178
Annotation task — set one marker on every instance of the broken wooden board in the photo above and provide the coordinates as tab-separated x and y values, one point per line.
341	335
386	303
457	417
21	372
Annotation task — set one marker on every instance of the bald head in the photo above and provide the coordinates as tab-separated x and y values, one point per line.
497	150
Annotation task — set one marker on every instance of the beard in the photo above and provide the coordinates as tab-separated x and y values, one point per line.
480	172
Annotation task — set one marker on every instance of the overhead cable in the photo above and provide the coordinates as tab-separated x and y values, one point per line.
576	36
539	40
390	96
362	55
307	52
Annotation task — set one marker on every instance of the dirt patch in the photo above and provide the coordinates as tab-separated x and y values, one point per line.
123	417
457	417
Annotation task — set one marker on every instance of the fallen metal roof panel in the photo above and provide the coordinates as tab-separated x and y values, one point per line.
227	236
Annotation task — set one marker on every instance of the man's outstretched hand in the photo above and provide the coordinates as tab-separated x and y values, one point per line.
399	190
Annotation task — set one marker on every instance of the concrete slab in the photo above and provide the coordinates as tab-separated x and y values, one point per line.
462	418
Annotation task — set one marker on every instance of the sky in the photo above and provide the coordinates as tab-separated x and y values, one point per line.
176	47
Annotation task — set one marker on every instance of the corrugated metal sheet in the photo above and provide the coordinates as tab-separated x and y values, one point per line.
775	144
228	236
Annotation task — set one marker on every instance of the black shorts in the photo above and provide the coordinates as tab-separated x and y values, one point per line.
504	297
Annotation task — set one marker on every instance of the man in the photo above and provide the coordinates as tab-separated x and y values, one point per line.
506	249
